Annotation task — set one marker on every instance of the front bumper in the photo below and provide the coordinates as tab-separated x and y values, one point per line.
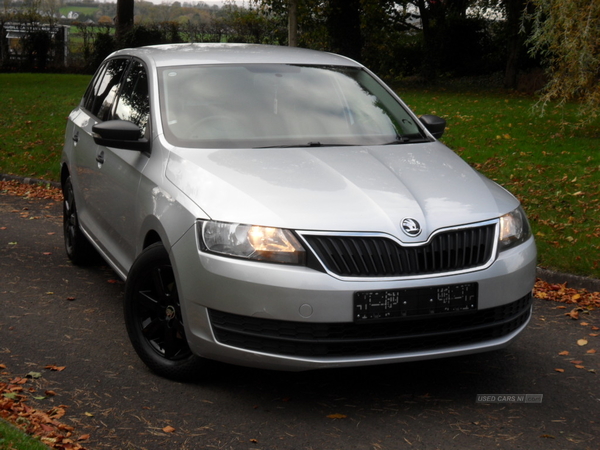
295	318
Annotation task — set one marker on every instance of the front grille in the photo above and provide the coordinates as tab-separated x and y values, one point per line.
350	339
378	256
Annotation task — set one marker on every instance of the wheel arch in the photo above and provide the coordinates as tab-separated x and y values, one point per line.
152	232
165	221
152	237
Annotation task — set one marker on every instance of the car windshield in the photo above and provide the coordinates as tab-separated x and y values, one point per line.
278	105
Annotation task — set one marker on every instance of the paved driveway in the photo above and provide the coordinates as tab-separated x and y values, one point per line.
52	313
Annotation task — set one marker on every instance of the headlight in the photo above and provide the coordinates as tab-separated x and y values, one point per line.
251	242
514	229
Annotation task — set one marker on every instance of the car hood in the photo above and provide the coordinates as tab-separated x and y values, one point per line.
360	189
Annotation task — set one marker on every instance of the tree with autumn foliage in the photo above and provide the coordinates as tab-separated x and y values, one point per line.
566	33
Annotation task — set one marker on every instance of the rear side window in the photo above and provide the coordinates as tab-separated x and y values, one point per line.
100	98
134	103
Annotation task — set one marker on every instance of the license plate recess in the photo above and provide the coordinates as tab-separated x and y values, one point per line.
372	306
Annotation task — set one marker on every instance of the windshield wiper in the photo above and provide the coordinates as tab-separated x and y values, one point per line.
308	144
406	140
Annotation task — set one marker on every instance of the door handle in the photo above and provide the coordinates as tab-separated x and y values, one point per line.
76	137
100	158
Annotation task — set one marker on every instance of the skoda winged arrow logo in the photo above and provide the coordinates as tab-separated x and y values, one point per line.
411	227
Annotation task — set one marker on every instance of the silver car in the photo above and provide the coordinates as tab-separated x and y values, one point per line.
282	208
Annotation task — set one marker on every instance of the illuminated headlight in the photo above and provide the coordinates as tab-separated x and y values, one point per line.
514	229
251	242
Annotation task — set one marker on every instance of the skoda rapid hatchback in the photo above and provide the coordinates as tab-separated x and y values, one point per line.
282	208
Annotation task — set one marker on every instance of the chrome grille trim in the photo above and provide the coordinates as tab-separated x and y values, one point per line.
448	251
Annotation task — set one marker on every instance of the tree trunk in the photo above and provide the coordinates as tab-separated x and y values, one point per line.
430	43
343	23
293	23
124	19
514	9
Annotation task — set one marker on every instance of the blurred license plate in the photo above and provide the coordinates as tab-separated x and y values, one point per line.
399	303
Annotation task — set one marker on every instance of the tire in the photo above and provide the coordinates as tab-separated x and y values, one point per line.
79	250
154	320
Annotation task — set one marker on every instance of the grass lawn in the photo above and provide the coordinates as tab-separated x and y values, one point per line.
33	114
553	168
12	438
549	164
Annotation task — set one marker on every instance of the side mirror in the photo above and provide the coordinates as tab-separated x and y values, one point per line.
434	124
120	134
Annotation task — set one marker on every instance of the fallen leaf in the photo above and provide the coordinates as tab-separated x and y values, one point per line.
559	370
579	366
575	362
591	351
336	416
582	342
57	413
563	294
168	429
573	314
564	353
55	368
83	437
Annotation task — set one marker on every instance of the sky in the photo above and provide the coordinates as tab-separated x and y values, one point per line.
208	2
160	2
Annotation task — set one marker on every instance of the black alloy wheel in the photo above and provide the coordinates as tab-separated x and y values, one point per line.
153	317
78	248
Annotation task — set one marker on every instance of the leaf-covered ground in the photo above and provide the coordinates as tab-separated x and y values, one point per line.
42	191
16	394
21	396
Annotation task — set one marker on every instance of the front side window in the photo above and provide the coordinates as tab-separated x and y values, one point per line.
100	98
276	105
134	102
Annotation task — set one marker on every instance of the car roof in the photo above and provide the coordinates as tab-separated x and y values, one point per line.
199	53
